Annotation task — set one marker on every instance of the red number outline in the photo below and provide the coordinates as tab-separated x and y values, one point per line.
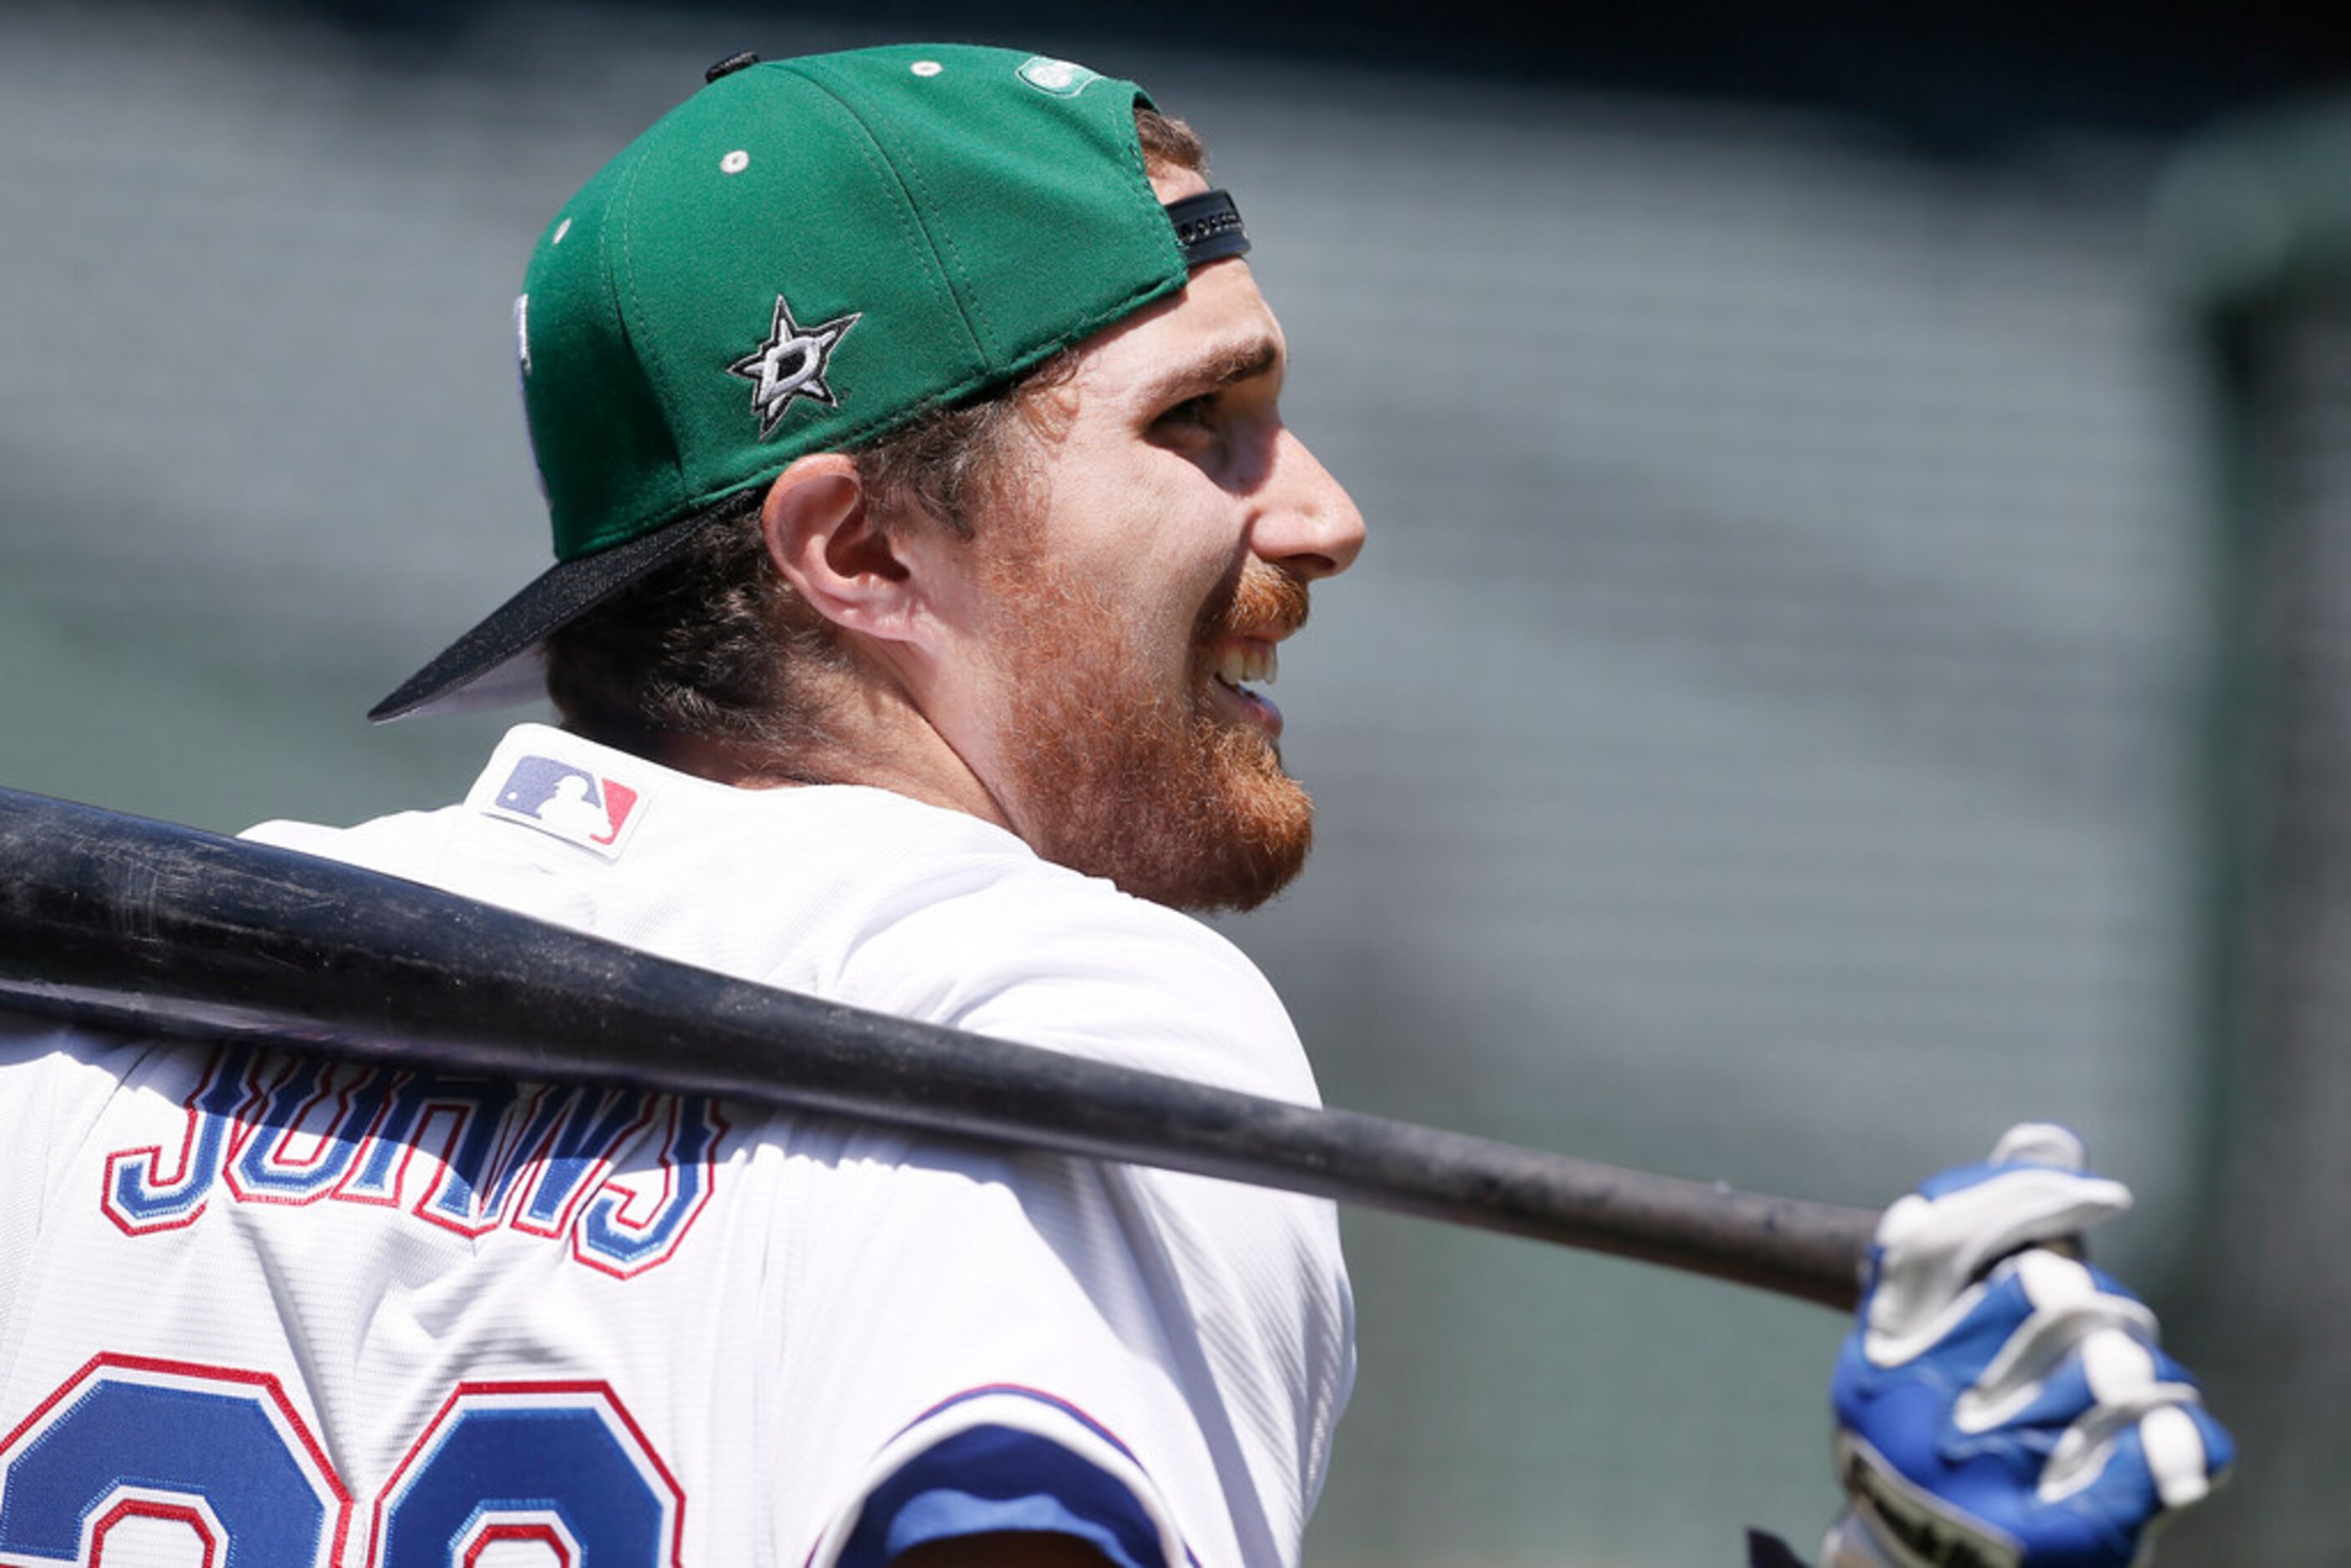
198	1371
643	1452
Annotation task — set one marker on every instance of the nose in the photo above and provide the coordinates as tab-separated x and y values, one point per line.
1307	521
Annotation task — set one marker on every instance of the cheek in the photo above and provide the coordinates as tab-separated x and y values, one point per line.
1153	540
1173	594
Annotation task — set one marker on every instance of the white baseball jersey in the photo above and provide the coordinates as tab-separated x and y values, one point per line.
260	1311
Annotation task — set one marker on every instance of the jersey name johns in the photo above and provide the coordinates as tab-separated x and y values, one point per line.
467	1154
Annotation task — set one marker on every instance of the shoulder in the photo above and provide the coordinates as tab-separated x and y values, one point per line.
395	845
1028	950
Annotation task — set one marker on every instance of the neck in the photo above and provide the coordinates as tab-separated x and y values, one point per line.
873	738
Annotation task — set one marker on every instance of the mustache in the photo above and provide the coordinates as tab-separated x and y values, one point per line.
1264	597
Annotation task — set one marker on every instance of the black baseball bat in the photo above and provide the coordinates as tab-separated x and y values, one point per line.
124	923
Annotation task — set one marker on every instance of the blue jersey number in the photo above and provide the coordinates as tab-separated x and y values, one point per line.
137	1451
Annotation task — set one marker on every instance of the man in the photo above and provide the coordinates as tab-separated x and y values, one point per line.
910	426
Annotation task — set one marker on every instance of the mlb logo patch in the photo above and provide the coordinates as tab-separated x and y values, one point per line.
568	803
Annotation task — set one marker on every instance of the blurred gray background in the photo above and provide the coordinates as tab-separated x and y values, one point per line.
1825	683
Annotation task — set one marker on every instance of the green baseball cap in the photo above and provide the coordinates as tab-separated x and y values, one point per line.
804	257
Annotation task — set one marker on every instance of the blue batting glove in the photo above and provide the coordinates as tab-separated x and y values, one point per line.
2001	1405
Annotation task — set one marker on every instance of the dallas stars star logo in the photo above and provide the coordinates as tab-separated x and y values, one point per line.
790	365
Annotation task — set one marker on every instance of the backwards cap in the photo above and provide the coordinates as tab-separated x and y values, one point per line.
805	256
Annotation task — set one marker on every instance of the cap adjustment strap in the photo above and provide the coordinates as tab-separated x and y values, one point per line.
1209	226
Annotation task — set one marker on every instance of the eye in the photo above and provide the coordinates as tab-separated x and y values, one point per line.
1193	416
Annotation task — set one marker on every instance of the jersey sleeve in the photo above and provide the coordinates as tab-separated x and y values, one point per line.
1001	1459
1149	1361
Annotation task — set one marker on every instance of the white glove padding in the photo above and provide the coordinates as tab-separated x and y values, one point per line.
2000	1403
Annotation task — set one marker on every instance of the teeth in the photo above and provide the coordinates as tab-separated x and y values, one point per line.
1247	661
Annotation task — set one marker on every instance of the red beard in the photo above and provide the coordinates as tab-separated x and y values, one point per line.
1158	790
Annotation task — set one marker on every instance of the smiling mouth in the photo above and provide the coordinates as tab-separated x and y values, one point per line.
1241	661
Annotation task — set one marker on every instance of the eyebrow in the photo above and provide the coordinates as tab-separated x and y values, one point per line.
1215	371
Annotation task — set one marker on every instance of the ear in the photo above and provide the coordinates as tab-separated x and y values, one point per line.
827	546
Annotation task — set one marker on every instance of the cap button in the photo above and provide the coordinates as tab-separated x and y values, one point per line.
730	65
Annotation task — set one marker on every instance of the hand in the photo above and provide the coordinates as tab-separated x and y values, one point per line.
2001	1403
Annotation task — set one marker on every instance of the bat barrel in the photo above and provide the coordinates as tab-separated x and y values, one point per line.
148	927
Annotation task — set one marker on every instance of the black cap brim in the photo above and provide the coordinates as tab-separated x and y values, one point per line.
496	664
